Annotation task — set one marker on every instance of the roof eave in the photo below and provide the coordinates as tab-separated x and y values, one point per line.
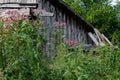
65	6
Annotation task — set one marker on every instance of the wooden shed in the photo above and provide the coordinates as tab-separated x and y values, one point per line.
77	29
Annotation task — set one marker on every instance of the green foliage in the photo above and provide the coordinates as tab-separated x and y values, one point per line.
21	55
100	14
74	64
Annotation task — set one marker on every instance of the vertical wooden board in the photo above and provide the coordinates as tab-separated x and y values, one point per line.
52	38
66	31
60	16
85	33
40	4
84	36
47	36
56	14
43	4
64	19
56	19
52	8
46	6
72	29
88	40
61	21
75	23
53	29
69	27
82	32
79	32
46	46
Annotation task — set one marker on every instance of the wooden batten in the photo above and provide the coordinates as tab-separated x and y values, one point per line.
93	38
77	29
47	14
106	39
7	4
98	34
18	1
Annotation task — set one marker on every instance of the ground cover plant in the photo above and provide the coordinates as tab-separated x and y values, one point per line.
22	56
74	64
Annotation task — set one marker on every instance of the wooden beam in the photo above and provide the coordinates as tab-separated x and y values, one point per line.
18	1
93	39
23	11
47	14
107	40
42	12
18	6
98	34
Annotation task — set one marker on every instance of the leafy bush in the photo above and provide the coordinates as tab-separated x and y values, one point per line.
74	64
21	52
22	56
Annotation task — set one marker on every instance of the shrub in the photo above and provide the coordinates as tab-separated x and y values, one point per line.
74	64
22	56
21	51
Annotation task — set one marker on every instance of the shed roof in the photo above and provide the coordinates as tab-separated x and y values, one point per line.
61	4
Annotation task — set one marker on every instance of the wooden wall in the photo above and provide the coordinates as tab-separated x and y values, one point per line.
18	1
75	29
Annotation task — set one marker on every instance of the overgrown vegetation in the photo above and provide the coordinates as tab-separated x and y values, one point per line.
101	14
22	56
74	64
20	48
23	59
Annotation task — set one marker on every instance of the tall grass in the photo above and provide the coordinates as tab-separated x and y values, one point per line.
22	56
74	64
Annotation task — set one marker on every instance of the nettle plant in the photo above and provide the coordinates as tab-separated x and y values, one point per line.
22	56
21	46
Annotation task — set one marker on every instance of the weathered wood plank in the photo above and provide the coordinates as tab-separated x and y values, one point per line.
72	29
75	32
47	14
93	38
17	6
107	40
79	32
18	1
64	20
69	27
